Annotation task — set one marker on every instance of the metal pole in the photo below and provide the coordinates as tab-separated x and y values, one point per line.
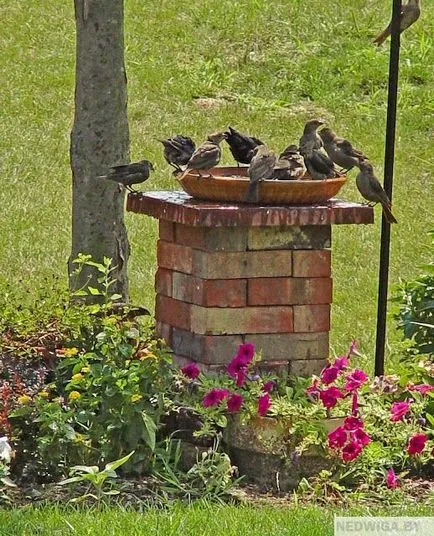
388	186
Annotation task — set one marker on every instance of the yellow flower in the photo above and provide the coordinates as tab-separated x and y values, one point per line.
74	395
77	377
71	352
85	370
78	437
44	394
24	400
136	398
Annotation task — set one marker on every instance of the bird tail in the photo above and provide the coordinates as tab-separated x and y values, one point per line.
390	218
184	173
252	194
381	37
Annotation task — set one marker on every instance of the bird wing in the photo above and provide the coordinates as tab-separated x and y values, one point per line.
257	141
129	168
203	154
379	190
321	162
348	149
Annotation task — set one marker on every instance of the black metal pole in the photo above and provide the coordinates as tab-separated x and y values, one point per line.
389	159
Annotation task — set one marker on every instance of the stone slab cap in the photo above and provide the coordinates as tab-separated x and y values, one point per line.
179	207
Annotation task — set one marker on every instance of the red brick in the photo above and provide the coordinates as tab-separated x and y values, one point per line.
164	331
166	230
240	265
306	368
215	321
289	291
268	291
311	263
307	291
280	368
173	312
163	282
187	288
291	346
174	257
187	235
210	349
212	238
224	293
290	237
311	318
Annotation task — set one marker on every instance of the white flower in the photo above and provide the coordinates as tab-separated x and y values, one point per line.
6	451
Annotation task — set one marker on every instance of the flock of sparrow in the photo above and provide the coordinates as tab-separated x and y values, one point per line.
315	158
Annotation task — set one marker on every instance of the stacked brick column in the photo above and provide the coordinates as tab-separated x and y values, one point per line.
221	282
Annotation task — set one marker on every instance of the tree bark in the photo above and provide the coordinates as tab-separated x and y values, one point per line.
99	139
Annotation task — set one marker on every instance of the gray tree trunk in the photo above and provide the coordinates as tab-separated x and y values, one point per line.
99	139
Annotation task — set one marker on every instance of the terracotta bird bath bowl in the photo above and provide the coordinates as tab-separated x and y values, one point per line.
229	184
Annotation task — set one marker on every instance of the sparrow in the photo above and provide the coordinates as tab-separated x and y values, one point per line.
178	150
129	174
290	165
318	163
340	150
241	145
206	155
410	12
261	168
370	188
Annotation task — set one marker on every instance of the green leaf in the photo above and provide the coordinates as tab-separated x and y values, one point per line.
71	480
430	419
22	411
115	297
150	430
114	465
92	469
94	291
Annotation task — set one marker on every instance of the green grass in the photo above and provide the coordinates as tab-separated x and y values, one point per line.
272	65
197	521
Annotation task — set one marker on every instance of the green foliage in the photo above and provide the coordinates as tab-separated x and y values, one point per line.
416	313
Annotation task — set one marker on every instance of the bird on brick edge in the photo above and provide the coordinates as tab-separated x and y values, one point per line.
178	150
261	168
129	174
370	188
290	165
241	145
317	161
207	155
410	13
340	150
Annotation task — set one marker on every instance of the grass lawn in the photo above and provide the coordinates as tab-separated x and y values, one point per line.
197	521
269	65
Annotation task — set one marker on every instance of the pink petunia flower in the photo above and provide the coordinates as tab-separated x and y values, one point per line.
355	404
360	436
235	401
264	403
330	396
351	451
269	386
341	363
398	410
214	397
241	378
392	480
355	380
191	370
329	374
243	358
422	388
353	423
337	438
416	444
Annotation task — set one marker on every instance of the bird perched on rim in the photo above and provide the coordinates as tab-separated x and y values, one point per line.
178	150
290	165
129	174
317	162
340	150
241	145
206	155
410	12
261	168
370	188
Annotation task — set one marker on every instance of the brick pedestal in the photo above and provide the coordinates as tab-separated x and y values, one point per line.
234	273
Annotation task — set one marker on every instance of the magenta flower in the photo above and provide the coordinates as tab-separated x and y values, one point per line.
235	401
337	438
192	371
214	397
329	397
264	403
329	374
392	480
416	444
355	404
269	386
241	377
422	388
351	451
352	423
341	362
360	436
355	380
313	391
399	410
243	358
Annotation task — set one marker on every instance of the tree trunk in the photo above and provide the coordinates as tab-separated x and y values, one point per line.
99	139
